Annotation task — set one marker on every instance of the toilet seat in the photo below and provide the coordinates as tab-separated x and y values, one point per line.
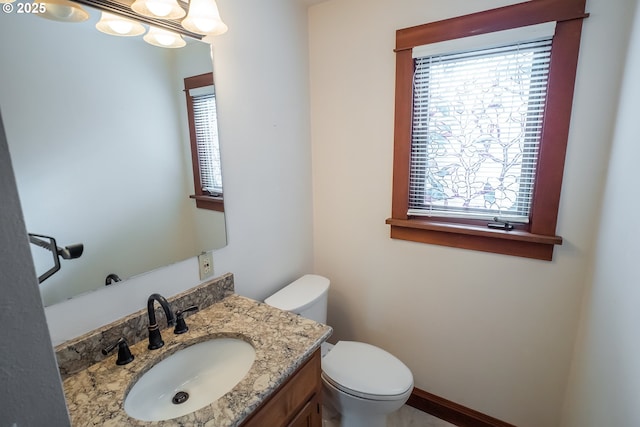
366	371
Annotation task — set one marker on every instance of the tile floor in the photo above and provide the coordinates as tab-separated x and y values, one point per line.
405	417
411	417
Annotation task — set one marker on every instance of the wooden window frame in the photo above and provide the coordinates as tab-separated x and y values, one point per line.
537	238
203	201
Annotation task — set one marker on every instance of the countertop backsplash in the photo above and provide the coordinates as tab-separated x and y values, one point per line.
79	353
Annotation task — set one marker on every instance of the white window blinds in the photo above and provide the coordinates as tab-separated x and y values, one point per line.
477	120
206	128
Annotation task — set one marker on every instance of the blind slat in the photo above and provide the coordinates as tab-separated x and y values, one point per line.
208	149
477	118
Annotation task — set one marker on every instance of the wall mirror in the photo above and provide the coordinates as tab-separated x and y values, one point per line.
98	135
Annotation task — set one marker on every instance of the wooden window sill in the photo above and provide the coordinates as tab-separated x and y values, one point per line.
208	202
515	242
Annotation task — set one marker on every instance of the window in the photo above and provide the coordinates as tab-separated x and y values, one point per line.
205	149
483	103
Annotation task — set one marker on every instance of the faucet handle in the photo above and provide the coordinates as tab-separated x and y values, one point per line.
181	325
124	354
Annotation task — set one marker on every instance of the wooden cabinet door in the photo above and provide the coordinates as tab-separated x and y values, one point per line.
300	394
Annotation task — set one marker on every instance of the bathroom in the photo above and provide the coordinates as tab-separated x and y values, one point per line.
532	343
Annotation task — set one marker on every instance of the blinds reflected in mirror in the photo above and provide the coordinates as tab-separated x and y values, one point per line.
206	133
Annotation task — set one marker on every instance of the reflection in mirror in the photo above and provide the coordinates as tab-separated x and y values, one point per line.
48	263
99	139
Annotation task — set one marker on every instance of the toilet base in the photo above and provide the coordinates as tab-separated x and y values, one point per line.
344	410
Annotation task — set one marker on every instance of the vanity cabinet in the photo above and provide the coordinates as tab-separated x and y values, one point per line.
296	403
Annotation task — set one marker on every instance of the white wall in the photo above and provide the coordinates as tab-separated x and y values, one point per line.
605	380
263	108
261	75
490	332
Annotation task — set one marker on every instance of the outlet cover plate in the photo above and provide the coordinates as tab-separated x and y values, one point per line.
205	264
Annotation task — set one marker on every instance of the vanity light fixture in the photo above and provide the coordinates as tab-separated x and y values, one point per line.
163	38
63	10
118	26
165	9
204	18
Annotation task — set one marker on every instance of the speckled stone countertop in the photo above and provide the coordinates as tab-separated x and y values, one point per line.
282	341
81	352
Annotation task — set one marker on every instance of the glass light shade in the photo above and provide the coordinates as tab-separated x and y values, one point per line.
63	10
165	9
118	26
163	38
204	18
7	1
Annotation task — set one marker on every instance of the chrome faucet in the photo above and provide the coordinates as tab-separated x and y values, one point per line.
155	339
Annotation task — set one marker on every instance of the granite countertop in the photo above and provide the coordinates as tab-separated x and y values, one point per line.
282	341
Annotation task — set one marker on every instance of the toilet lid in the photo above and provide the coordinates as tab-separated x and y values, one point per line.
297	296
366	371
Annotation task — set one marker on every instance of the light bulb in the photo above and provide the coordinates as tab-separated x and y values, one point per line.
163	38
159	8
204	25
204	18
59	11
166	9
120	27
117	25
63	10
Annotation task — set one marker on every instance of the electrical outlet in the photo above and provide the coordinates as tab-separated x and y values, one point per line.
205	262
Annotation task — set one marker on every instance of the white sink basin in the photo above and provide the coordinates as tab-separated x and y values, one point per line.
204	371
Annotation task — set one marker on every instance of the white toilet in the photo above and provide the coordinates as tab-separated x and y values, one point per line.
361	382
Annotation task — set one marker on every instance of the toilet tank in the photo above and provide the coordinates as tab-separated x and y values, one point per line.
307	297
